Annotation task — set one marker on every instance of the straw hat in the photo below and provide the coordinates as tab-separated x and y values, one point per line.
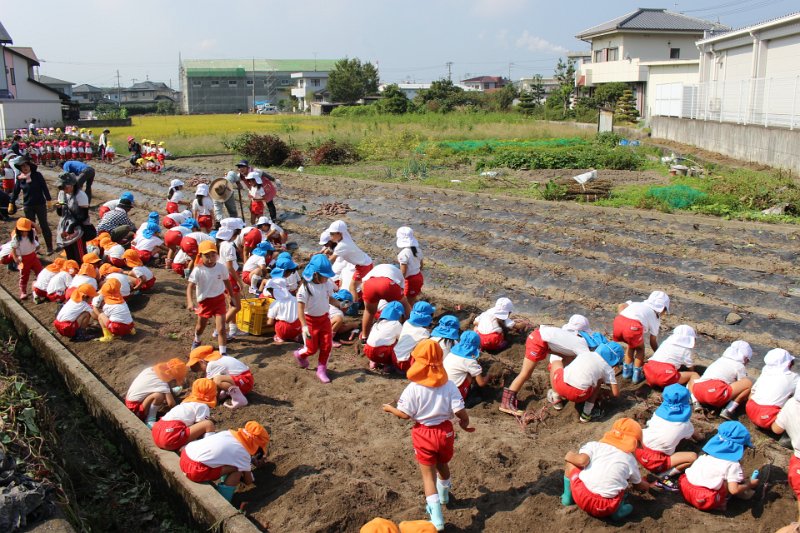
220	190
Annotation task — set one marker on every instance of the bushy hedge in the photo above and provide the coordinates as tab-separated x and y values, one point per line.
588	156
261	150
332	152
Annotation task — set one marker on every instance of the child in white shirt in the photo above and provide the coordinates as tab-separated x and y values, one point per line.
462	364
188	421
114	315
203	208
230	375
772	389
348	250
788	421
446	333
142	278
383	336
282	313
175	196
44	277
664	367
211	281
76	314
415	329
493	325
57	287
725	382
635	322
152	388
411	263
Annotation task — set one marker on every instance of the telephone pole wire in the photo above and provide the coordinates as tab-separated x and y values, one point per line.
449	70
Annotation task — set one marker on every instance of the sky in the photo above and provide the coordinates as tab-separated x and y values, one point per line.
409	41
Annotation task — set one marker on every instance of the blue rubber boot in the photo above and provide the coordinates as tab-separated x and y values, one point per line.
444	492
437	518
638	375
227	491
627	370
622	512
566	497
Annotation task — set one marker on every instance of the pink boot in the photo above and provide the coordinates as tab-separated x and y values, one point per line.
301	359
322	373
237	398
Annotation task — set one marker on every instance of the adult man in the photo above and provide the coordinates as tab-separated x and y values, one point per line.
83	172
117	223
134	148
221	191
74	227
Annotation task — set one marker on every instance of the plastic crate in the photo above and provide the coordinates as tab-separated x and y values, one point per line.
253	316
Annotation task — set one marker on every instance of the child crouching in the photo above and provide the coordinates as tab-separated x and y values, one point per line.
188	421
152	388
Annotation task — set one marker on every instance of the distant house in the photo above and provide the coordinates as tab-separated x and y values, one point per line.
23	99
310	87
409	89
548	84
644	45
485	83
87	94
64	87
142	93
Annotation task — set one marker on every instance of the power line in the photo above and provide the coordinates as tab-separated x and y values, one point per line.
718	6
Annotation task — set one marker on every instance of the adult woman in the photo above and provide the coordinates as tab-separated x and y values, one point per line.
35	196
74	228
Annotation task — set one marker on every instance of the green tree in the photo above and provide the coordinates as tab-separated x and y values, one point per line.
527	103
394	100
565	76
165	107
608	94
537	89
504	98
626	108
350	80
441	96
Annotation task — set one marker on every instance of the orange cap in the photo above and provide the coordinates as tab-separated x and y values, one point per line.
82	291
108	268
91	258
203	391
172	369
379	525
206	247
202	353
70	266
252	436
132	258
625	434
88	269
106	243
103	235
110	291
417	526
24	224
427	369
56	265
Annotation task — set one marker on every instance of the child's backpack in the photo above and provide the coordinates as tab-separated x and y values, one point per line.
593	339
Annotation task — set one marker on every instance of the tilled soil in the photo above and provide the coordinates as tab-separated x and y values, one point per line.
338	461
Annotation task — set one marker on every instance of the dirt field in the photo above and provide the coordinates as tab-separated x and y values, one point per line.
338	461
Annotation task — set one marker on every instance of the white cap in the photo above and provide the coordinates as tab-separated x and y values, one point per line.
502	308
186	213
658	301
232	223
405	237
739	351
324	238
337	226
175	183
224	234
683	336
255	175
202	190
263	220
577	323
778	357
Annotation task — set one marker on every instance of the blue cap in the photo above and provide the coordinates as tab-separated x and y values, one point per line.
151	229
469	346
392	311
319	264
729	442
343	295
153	216
277	272
128	196
422	314
262	249
675	405
612	352
448	328
285	261
190	223
213	234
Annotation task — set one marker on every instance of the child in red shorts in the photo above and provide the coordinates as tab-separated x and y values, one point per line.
379	348
774	387
152	388
230	375
44	277
431	400
494	324
411	263
788	421
225	453
189	420
724	384
462	365
115	317
597	477
210	280
384	282
76	314
675	353
282	312
717	475
636	322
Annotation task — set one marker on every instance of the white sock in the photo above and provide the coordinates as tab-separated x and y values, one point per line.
732	406
152	412
433	499
232	328
196	337
554	357
443	482
223	350
587	408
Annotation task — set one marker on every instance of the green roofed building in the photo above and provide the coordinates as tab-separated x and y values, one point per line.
241	85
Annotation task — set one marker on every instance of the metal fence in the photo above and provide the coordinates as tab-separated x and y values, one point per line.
765	102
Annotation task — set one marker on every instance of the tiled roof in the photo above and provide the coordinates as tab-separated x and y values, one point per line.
49	80
646	19
25	51
484	79
86	88
5	38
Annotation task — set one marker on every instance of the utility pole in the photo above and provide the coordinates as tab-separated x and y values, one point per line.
119	91
509	70
449	70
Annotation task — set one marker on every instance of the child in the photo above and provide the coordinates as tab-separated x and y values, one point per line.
339	324
493	325
189	420
142	277
713	476
203	208
431	401
597	477
580	381
788	421
211	281
725	382
347	249
446	333
462	364
57	287
24	245
149	244
109	271
230	228
384	282
410	260
286	268
313	300
772	389
152	218
110	153
231	376
256	193
669	425
664	367
172	220
43	279
115	317
383	337
566	342
182	264
282	313
634	321
254	269
75	315
225	453
173	238
191	242
414	331
152	388
175	196
86	274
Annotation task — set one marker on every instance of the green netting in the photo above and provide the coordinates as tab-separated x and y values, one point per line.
677	196
473	145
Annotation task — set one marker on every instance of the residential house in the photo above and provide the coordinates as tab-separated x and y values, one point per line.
142	93
64	87
87	94
310	87
548	84
644	47
23	99
409	89
485	83
235	85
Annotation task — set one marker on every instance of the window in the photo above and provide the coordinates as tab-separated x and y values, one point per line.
215	83
598	56
197	84
13	79
613	54
316	82
674	53
232	83
249	83
286	82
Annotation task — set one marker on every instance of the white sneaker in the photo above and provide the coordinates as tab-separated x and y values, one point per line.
555	400
214	334
237	333
253	290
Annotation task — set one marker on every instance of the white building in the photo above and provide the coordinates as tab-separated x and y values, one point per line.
409	89
627	48
310	87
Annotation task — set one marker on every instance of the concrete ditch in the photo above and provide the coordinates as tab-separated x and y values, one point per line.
203	502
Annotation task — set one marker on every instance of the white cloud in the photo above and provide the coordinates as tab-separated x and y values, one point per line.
496	8
207	44
533	43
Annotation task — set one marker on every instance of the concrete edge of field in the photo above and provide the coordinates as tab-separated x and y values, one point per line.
203	502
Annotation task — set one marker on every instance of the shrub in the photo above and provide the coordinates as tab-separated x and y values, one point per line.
355	111
390	146
608	138
552	191
331	152
588	156
262	150
296	158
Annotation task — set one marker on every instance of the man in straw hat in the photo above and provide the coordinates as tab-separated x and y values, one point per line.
221	192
